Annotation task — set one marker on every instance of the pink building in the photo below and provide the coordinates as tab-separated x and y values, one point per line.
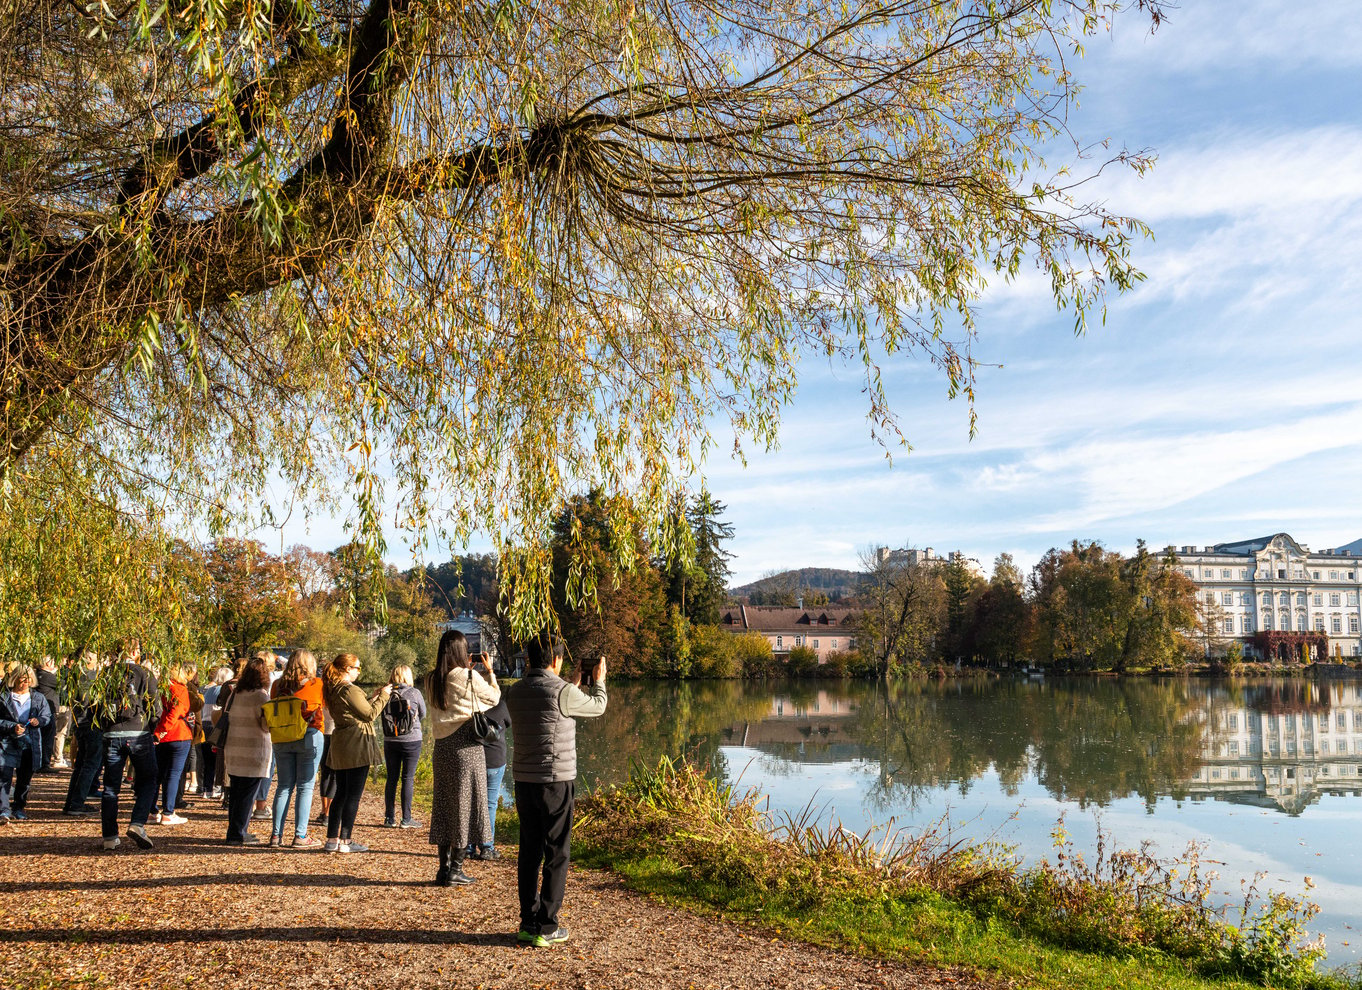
823	630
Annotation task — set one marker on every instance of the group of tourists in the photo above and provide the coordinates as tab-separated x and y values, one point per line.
308	731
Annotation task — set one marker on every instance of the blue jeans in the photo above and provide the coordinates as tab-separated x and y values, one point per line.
170	760
262	793
141	751
494	777
296	764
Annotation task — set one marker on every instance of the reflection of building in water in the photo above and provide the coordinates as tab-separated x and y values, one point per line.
820	721
1284	758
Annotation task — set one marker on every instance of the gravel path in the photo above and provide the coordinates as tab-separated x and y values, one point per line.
192	913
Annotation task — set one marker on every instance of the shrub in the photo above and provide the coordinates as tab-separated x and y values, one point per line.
803	661
753	654
713	653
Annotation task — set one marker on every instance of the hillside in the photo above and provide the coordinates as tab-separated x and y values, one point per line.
786	587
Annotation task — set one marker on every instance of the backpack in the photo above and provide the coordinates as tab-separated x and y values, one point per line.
399	718
284	716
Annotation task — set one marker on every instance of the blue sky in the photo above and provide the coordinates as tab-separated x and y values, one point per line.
1221	400
1223	397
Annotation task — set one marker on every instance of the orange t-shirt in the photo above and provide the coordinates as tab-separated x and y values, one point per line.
311	694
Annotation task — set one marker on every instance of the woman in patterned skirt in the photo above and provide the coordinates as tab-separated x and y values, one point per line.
459	808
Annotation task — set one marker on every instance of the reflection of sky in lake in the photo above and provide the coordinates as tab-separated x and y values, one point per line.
1241	839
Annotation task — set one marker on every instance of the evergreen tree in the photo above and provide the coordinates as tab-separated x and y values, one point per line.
709	589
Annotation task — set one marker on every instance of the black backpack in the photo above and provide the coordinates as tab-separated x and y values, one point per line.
399	717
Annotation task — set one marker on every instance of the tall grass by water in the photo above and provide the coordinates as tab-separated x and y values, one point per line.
1124	917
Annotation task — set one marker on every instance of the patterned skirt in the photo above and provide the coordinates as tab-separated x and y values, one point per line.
458	814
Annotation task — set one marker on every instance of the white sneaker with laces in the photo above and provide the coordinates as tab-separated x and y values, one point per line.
112	843
171	819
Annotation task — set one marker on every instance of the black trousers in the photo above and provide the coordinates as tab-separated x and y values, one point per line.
340	818
89	757
545	839
240	801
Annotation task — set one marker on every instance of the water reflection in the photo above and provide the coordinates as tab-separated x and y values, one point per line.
1269	773
1275	743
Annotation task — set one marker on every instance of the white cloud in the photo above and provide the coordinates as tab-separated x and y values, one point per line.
1203	36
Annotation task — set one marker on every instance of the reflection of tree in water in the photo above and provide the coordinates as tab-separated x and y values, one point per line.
1089	741
644	722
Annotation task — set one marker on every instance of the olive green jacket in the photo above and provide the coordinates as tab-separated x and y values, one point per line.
354	716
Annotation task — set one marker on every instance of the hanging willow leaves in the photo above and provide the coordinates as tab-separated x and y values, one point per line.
462	260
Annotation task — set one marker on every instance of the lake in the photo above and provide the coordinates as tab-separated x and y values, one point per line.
1267	774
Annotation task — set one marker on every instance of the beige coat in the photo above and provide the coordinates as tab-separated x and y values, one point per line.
460	695
248	750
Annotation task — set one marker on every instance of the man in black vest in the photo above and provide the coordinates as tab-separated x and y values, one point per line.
543	707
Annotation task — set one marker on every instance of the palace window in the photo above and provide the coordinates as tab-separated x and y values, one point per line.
1243	574
1248	623
780	642
1318	599
1229	627
815	644
1284	599
1335	600
1300	598
1352	624
1227	598
1319	623
834	644
1208	572
1267	621
1336	624
1352	598
1226	573
1300	622
1210	598
1315	575
1333	575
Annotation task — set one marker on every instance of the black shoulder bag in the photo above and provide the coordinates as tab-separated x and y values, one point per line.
484	729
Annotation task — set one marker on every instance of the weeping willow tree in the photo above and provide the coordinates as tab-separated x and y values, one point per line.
457	260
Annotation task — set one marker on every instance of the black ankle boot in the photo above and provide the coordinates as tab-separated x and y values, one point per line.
457	875
446	871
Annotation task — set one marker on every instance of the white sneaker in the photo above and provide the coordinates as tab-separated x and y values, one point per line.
171	819
343	847
113	843
156	818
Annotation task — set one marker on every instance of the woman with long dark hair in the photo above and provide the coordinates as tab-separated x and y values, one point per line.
458	816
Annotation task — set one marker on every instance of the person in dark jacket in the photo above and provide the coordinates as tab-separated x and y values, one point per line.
494	752
131	701
543	708
89	747
23	716
47	687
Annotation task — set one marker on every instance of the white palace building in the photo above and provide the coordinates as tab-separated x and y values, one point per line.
1276	585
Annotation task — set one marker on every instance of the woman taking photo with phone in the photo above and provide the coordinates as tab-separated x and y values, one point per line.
458	815
354	747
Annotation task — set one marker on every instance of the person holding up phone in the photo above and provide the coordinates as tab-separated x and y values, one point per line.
544	709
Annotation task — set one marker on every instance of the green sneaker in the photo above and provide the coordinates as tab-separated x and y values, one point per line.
530	938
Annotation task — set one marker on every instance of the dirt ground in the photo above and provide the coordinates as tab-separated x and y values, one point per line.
191	912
